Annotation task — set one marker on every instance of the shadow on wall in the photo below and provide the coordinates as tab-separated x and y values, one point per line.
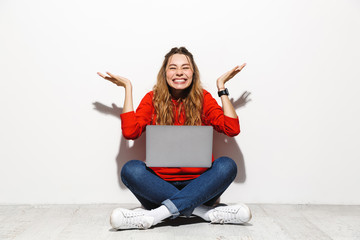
227	146
222	144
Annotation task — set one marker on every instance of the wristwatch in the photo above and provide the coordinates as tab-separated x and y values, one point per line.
223	92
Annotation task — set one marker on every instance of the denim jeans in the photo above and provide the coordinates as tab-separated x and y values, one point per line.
180	197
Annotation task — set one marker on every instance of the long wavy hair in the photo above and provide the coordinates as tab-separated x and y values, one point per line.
191	102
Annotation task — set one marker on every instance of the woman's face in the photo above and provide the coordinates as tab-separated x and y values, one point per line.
179	73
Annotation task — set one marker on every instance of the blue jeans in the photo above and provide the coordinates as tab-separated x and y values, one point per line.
180	197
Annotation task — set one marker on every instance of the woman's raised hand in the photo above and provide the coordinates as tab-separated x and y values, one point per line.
228	75
123	82
118	80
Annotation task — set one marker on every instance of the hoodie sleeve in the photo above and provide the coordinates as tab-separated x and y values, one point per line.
133	123
214	115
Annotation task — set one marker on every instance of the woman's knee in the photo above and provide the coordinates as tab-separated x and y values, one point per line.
133	169
226	166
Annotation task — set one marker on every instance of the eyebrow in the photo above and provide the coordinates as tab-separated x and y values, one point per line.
181	65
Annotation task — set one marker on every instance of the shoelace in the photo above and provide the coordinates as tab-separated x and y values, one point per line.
225	215
133	219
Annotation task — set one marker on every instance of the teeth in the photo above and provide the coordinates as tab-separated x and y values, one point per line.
179	80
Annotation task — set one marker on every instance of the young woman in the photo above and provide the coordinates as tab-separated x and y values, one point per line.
178	99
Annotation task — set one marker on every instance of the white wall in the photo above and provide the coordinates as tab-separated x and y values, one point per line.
60	134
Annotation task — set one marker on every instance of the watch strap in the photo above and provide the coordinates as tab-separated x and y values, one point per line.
223	92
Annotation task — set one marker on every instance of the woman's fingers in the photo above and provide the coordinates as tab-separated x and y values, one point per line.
236	70
111	75
111	78
242	66
117	78
239	68
104	76
101	75
230	74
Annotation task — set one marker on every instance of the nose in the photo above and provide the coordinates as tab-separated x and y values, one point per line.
179	72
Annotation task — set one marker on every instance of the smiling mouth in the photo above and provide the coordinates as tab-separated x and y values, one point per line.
179	80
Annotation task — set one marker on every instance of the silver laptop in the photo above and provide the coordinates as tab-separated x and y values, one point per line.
179	146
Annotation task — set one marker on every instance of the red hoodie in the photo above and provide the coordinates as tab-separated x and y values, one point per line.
133	124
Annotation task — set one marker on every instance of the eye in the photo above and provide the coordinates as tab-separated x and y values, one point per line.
172	68
186	68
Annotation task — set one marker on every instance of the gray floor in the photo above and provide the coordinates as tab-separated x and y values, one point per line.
92	222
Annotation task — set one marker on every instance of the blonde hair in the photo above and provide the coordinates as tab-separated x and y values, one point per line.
190	104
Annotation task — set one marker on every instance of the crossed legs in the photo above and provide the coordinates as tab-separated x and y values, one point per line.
152	191
181	197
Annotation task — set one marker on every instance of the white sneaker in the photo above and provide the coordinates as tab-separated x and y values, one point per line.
238	214
122	218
